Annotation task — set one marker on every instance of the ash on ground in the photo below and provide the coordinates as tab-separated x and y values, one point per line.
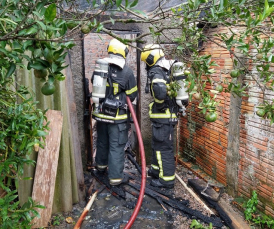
110	212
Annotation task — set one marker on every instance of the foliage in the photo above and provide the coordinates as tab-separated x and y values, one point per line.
57	220
196	225
266	110
172	88
253	215
21	128
29	32
32	27
249	17
246	33
11	213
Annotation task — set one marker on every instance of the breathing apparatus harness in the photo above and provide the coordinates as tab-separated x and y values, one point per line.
168	103
111	104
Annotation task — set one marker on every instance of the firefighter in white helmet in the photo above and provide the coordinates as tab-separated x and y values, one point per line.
163	115
111	110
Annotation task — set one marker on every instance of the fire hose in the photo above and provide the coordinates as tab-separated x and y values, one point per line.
143	161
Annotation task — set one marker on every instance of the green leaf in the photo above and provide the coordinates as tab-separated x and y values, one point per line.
42	25
31	30
244	48
68	45
22	146
221	5
54	67
141	12
11	70
50	13
100	27
238	10
60	77
51	79
266	6
269	11
241	2
40	206
134	3
26	44
41	133
118	2
37	66
112	21
212	12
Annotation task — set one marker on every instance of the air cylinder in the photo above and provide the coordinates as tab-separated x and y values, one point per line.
99	80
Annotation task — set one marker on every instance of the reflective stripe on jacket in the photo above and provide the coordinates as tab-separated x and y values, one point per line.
123	84
164	117
164	108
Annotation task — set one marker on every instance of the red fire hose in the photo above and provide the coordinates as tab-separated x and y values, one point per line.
143	160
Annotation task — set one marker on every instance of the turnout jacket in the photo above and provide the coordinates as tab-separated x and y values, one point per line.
121	83
163	109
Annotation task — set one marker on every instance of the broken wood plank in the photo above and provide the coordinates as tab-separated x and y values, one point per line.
216	222
46	169
211	197
194	194
85	212
237	221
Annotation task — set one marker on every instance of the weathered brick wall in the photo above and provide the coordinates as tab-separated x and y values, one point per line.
203	142
256	171
208	145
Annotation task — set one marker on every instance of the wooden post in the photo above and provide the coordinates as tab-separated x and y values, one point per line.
74	131
46	169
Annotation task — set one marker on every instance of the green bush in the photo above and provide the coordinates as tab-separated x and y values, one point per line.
21	127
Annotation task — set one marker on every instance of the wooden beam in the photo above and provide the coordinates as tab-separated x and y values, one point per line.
75	134
194	195
238	222
46	169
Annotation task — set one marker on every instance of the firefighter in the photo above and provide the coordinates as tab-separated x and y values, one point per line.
111	112
163	115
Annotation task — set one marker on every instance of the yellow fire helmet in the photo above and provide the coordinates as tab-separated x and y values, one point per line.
151	54
117	48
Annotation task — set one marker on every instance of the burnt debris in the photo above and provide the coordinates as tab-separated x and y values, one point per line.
164	197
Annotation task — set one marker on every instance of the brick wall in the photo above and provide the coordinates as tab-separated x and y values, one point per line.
256	146
207	144
202	142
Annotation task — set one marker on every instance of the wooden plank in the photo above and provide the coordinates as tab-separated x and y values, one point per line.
238	222
194	194
46	169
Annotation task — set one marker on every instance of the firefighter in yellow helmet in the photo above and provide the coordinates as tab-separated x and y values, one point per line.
163	115
111	111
